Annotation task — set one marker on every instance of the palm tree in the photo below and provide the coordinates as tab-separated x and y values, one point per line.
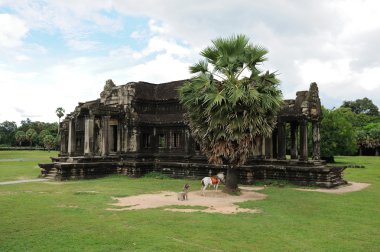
20	136
59	112
230	103
30	135
49	142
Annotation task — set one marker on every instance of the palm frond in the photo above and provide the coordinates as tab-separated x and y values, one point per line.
200	67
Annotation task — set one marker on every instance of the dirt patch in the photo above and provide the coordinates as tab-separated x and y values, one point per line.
350	187
215	202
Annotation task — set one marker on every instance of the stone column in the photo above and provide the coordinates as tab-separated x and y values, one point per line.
316	141
119	137
122	138
268	148
274	144
72	138
105	135
303	141
125	138
259	144
63	142
293	140
89	135
281	141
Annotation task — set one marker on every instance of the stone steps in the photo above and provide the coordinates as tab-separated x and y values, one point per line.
52	174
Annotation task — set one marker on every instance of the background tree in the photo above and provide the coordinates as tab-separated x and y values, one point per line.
374	139
31	135
369	138
46	128
59	112
362	141
20	137
337	134
230	103
49	142
7	133
42	135
364	115
357	120
364	106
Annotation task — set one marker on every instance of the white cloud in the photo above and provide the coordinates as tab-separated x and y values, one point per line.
369	79
357	16
124	52
161	44
12	31
22	57
138	34
74	19
324	73
155	27
163	68
156	44
82	45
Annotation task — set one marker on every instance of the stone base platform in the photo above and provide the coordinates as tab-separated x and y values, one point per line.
310	173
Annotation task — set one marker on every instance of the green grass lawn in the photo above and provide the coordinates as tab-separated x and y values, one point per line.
16	165
72	216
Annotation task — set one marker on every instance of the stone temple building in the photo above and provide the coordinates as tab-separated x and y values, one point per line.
139	127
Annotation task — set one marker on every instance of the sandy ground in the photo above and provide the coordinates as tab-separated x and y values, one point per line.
350	187
215	202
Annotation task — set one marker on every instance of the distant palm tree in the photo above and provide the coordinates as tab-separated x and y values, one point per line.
49	142
59	112
31	135
232	103
20	136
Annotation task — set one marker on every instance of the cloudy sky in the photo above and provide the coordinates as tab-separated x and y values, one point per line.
58	53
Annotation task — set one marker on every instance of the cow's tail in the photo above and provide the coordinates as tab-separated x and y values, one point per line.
203	183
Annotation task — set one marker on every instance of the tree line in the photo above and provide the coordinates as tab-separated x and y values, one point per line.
32	134
351	129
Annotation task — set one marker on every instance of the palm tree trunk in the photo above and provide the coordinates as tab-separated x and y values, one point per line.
231	180
59	121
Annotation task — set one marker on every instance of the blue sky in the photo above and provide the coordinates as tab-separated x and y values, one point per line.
58	53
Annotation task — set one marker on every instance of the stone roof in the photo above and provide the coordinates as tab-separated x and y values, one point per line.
162	91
